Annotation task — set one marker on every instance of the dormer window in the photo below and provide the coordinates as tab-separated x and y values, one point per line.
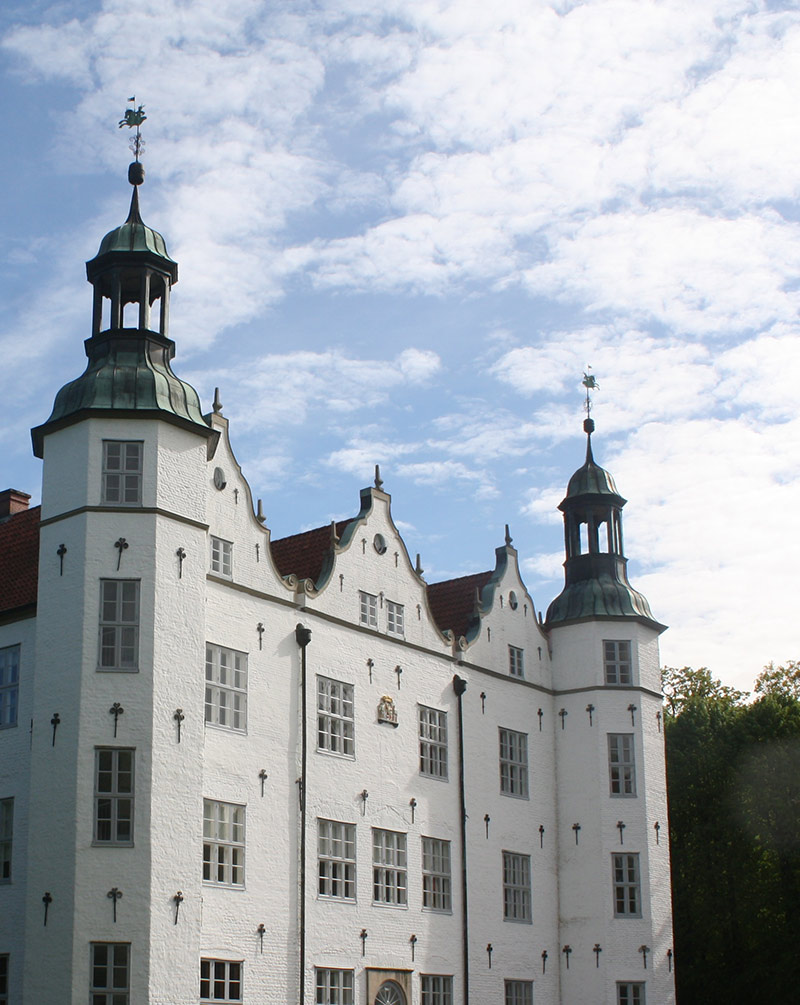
122	473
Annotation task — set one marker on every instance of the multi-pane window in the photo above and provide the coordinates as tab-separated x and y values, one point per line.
617	662
336	850
436	888
335	716
519	993
111	973
516	886
627	891
630	993
437	989
621	767
122	473
389	867
226	687
395	622
432	742
6	839
369	609
4	999
9	685
220	981
113	796
221	557
223	843
119	624
516	661
334	987
513	763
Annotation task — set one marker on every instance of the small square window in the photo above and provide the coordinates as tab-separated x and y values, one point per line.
226	688
513	763
335	717
220	980
621	766
335	987
436	989
617	661
368	605
519	993
119	624
389	867
113	796
630	993
122	473
627	887
336	849
110	970
9	686
436	882
6	839
395	621
432	742
516	887
516	661
222	557
223	844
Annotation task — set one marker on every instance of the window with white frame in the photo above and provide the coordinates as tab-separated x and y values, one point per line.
389	867
432	742
9	685
368	605
226	687
436	989
122	473
516	887
335	717
617	661
222	557
336	857
223	843
335	987
516	661
113	796
513	763
220	980
627	887
110	973
4	966
519	993
395	618
436	883
6	838
630	993
621	766
119	624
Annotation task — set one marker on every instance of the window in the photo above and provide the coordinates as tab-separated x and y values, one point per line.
119	624
513	763
390	993
436	895
6	837
516	664
113	796
516	886
110	967
9	685
519	993
437	990
223	843
335	722
394	618
226	687
432	742
369	609
220	981
334	987
630	993
122	473
336	849
4	979
621	768
221	557
627	899
389	877
617	662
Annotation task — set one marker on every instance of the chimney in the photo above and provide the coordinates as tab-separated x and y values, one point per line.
13	501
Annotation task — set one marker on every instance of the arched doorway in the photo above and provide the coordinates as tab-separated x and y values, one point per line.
390	993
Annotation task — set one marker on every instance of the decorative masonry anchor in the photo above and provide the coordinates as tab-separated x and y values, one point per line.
364	936
178	898
541	835
179	717
658	719
597	949
544	961
116	710
121	545
620	828
483	702
263	776
487	820
540	713
258	552
632	710
181	556
54	723
260	930
590	709
370	665
657	829
47	900
567	950
577	829
260	630
62	550
563	713
364	796
413	942
669	960
413	804
114	895
489	952
644	950
398	670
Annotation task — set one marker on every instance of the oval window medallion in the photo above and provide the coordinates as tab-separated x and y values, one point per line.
379	544
219	479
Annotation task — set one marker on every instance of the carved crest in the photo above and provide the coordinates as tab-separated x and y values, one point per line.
386	710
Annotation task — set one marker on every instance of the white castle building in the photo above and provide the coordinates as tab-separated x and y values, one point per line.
237	769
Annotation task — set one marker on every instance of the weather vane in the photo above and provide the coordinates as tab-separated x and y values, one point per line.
134	117
590	383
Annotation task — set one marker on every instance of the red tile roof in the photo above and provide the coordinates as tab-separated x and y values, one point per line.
19	559
304	554
452	602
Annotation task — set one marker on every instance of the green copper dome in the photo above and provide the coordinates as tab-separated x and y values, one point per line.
134	235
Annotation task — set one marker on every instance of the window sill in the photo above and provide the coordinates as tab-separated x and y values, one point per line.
118	669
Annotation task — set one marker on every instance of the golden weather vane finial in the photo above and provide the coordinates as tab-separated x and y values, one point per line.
590	383
134	117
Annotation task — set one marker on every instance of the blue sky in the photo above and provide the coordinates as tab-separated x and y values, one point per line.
406	227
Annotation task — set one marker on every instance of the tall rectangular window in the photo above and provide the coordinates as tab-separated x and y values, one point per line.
516	661
6	838
226	687
436	989
395	618
9	685
617	661
119	624
516	887
335	717
4	999
335	987
122	473
432	742
113	796
389	867
621	767
368	605
336	850
110	969
436	885
222	557
513	763
223	843
630	993
220	981
519	993
627	888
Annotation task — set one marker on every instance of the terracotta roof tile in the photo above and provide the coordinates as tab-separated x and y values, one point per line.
452	602
303	554
19	559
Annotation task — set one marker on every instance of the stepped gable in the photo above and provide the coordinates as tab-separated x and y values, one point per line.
452	602
19	559
303	554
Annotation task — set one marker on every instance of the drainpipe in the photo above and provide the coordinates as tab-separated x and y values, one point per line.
460	686
303	637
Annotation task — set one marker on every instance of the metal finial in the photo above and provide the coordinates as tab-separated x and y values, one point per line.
217	406
378	479
590	383
508	537
260	513
135	117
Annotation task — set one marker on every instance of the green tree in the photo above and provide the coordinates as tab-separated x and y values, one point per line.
783	680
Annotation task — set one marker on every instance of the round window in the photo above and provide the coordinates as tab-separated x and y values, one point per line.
390	994
379	543
513	603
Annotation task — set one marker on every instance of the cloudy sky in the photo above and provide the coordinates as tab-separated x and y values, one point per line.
406	227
